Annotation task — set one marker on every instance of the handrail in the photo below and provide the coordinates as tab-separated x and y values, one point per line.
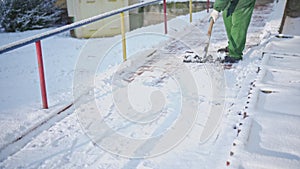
32	39
37	39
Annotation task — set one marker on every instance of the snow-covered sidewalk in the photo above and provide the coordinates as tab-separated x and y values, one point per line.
69	143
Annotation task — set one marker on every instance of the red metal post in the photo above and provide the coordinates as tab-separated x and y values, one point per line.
41	73
207	6
165	17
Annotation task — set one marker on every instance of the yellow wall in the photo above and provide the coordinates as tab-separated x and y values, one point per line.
82	9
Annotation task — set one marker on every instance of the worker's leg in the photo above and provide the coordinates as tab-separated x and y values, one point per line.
228	25
236	27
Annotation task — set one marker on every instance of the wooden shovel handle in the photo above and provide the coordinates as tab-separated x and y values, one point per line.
211	24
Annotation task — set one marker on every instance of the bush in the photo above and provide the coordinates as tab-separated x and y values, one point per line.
22	15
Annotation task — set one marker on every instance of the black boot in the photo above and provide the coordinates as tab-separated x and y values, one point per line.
229	59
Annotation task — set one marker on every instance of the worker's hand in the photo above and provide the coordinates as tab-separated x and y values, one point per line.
214	15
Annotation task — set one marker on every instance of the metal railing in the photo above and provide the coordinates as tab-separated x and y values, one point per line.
37	38
72	26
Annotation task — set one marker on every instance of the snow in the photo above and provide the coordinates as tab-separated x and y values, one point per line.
273	137
20	85
238	115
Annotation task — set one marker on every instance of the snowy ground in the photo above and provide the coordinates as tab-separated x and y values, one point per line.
272	135
154	73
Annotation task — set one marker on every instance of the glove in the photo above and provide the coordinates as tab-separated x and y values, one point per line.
214	15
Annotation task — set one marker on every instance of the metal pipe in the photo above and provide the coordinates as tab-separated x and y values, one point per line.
207	6
165	17
191	11
41	73
72	26
123	36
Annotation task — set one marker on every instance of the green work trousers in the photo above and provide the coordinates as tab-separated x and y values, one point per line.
236	27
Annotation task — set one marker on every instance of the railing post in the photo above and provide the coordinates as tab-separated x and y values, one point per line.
165	17
41	73
123	36
191	11
207	6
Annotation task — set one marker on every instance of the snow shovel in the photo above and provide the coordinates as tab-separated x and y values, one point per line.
205	57
190	55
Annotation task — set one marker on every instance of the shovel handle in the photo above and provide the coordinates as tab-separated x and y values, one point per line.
211	24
